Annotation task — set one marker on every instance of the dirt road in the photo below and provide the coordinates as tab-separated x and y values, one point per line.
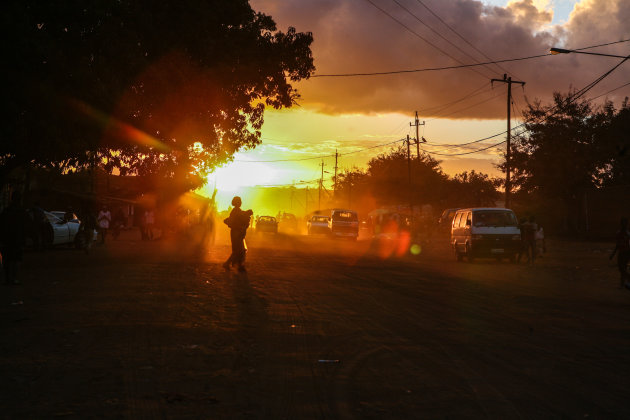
315	329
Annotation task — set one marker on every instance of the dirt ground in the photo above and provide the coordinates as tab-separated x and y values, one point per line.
316	329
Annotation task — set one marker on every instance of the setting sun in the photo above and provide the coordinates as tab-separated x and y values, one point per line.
235	175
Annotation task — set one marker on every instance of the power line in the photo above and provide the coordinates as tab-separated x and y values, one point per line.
319	156
465	108
588	87
441	107
418	35
384	73
435	32
465	153
372	147
610	91
570	100
601	45
458	34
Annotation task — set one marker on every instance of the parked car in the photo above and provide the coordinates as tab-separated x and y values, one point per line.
67	216
266	224
62	231
317	224
344	223
485	232
288	222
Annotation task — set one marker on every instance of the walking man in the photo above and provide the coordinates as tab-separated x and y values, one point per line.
104	220
13	224
238	222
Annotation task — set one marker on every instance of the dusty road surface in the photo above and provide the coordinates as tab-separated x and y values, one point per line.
316	329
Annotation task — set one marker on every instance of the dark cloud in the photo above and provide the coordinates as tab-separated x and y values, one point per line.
353	36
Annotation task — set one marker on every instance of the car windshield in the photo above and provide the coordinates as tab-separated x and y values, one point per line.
494	218
267	219
345	216
320	219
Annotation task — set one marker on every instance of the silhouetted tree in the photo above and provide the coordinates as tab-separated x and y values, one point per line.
390	177
615	140
569	147
169	88
473	189
386	181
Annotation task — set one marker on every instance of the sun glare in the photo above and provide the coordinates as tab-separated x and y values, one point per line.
235	175
233	178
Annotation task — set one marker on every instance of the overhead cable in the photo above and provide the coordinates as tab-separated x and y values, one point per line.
460	36
507	60
420	36
436	32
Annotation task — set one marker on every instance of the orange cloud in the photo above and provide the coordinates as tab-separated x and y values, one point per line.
354	36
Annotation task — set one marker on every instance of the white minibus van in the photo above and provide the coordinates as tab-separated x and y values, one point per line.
343	223
485	232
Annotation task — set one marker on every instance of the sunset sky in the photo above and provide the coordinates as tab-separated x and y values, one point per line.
352	113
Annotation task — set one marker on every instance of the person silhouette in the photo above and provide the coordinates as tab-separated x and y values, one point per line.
622	249
14	222
238	222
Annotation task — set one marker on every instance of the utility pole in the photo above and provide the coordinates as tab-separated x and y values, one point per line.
321	183
417	124
508	153
292	193
335	185
409	173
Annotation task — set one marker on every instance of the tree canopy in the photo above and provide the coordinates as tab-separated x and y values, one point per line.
386	182
570	146
168	88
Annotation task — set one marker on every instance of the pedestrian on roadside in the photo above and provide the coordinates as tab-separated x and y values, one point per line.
238	222
104	219
14	222
622	249
541	246
530	239
41	228
88	226
149	222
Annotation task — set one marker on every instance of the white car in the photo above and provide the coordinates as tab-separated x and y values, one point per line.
65	232
318	224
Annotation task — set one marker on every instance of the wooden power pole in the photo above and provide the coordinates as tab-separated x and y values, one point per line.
417	124
508	152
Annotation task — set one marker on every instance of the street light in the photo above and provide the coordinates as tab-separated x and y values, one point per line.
555	51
